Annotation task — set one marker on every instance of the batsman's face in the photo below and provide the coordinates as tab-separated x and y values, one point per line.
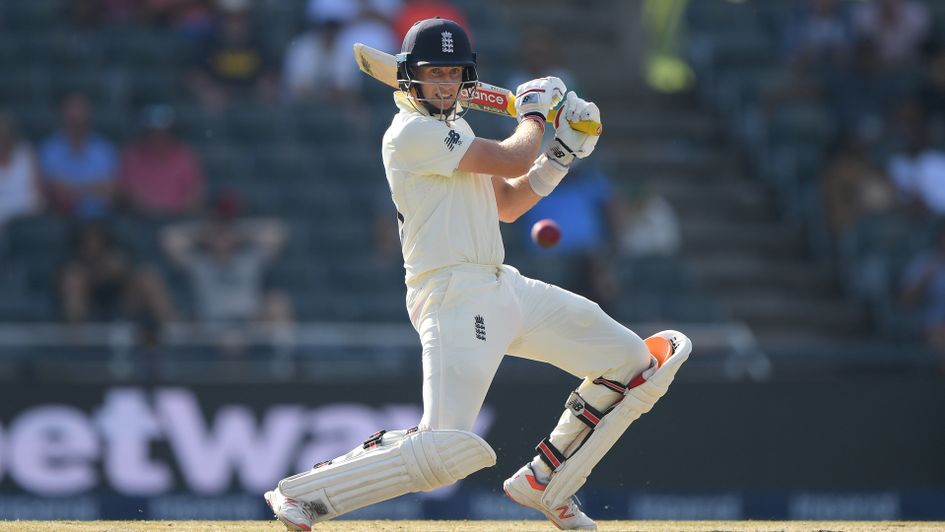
441	84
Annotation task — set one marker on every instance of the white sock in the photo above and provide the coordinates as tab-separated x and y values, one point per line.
541	469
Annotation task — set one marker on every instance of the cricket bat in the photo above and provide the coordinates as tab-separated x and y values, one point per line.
489	98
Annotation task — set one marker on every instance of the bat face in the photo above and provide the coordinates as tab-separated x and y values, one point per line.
377	64
489	98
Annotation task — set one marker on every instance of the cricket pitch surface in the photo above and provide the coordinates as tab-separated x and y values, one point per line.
473	526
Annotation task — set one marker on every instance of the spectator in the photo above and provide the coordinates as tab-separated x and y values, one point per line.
78	166
100	283
233	66
899	28
540	55
917	169
817	43
821	36
225	259
861	94
414	10
854	186
88	14
160	176
385	230
649	227
932	91
319	66
923	286
585	207
192	18
19	179
364	21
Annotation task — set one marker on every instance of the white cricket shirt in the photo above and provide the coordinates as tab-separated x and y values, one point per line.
447	217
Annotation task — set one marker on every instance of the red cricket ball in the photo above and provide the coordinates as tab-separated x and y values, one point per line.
546	233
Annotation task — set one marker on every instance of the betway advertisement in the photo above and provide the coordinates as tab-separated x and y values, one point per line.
57	449
210	451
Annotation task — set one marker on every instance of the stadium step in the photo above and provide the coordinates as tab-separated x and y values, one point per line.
738	247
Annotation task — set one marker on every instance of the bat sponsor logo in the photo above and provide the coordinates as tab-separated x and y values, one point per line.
489	98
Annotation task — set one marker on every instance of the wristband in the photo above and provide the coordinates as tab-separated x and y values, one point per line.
545	175
536	117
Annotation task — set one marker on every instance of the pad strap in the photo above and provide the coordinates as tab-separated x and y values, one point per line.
588	415
550	454
386	465
583	410
641	394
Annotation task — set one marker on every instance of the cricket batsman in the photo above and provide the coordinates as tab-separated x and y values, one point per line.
451	189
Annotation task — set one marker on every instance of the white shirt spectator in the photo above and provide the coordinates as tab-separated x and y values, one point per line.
320	59
922	176
313	66
364	21
19	194
653	230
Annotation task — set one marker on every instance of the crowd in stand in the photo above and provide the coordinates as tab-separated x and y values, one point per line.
84	177
878	69
81	174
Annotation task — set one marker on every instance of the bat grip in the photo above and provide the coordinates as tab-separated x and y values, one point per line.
589	127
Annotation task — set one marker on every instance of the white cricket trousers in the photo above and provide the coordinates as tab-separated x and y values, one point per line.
470	316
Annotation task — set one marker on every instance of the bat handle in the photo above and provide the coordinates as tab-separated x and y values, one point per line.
584	126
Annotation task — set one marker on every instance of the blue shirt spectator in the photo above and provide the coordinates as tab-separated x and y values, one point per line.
580	205
79	166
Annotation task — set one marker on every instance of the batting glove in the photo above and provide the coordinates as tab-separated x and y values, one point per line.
533	99
569	143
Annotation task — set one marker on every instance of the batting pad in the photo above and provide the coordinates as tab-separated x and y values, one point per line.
637	401
396	463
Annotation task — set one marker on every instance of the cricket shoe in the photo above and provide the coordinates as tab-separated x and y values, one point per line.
294	514
524	488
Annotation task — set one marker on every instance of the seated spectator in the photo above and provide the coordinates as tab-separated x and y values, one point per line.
917	169
93	14
649	227
932	91
923	287
586	209
817	43
318	66
861	94
225	259
821	36
100	283
414	10
233	66
160	176
192	18
78	166
539	56
899	28
364	21
854	186
385	230
20	193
